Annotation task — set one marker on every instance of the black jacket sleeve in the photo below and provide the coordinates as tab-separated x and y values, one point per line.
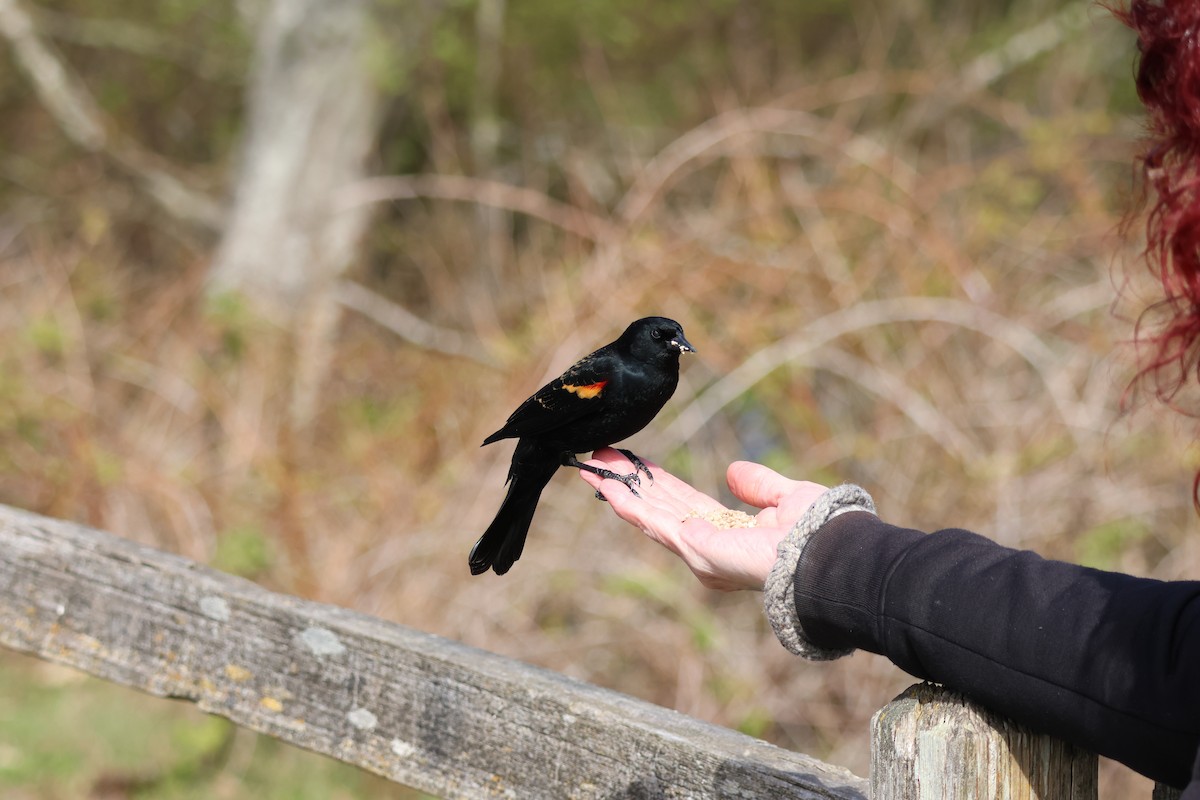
1107	661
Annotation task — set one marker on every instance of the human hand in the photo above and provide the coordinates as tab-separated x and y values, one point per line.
672	513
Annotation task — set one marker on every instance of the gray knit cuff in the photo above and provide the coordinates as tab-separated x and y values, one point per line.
779	593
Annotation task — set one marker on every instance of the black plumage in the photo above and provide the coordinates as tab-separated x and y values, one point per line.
603	398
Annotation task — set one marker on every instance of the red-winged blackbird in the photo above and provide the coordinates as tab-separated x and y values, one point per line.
605	397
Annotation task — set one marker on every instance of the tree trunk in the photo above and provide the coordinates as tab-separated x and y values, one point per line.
311	117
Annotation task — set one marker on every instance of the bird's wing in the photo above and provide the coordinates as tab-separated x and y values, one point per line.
576	393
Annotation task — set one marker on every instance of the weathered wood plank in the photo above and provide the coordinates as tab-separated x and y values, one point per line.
419	709
931	742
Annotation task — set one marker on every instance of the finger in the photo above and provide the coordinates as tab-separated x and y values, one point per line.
665	489
677	500
659	521
615	460
758	485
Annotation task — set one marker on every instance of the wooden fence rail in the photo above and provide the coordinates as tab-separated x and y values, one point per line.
449	719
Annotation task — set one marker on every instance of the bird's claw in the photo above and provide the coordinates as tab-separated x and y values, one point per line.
638	466
629	480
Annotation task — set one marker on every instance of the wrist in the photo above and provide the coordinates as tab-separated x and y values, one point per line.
779	592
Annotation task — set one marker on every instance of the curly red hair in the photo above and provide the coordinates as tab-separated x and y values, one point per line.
1168	83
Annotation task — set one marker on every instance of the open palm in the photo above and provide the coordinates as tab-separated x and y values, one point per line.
673	513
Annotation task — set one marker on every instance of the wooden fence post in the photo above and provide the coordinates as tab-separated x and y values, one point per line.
931	743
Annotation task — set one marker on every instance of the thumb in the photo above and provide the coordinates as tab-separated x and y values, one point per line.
760	486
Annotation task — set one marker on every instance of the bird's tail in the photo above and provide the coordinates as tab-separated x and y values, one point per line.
502	542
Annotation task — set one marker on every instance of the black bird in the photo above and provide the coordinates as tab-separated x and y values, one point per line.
605	397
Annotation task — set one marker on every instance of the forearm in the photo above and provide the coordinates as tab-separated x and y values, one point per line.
1107	661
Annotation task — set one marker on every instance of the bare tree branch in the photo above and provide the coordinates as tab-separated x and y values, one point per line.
910	402
139	40
60	92
801	347
312	110
72	106
665	167
407	325
989	67
484	192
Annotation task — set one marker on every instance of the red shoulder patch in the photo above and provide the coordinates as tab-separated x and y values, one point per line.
586	392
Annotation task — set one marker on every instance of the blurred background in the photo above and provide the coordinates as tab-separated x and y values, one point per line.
271	270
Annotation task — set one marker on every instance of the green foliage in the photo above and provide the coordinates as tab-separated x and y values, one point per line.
203	740
230	314
1102	546
667	592
243	550
46	334
66	735
679	461
755	722
550	53
107	467
380	415
641	586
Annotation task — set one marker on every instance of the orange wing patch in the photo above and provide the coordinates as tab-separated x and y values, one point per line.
586	392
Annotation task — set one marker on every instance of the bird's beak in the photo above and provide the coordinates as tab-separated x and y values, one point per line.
683	344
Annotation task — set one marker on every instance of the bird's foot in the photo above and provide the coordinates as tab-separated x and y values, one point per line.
638	464
629	480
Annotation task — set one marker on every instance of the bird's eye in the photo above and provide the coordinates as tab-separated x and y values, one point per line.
656	334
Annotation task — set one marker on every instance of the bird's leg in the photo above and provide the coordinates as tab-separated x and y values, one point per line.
638	464
629	480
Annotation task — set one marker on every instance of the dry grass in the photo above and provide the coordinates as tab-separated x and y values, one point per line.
926	311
